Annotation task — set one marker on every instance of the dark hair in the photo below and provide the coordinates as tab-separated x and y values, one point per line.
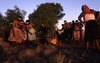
76	20
85	8
65	21
27	20
92	10
19	18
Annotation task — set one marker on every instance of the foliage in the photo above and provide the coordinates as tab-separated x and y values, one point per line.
12	14
47	14
1	24
1	20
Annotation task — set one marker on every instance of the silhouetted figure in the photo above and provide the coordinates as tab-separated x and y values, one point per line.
70	32
97	16
91	27
43	32
6	34
65	33
59	36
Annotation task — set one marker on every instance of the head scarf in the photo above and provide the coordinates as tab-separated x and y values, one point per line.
85	9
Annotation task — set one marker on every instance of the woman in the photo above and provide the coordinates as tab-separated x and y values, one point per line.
17	34
91	28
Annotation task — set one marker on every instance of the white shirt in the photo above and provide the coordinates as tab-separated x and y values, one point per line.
31	36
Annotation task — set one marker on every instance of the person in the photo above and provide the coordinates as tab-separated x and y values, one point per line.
43	30
65	32
17	35
31	32
76	33
70	31
97	16
58	33
91	28
6	33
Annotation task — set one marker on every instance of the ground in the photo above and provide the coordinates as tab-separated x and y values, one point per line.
49	53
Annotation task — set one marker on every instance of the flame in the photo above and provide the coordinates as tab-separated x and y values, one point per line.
53	41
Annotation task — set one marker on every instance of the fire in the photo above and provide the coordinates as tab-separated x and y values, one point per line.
53	40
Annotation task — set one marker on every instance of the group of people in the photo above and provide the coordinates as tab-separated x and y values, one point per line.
70	32
21	32
73	31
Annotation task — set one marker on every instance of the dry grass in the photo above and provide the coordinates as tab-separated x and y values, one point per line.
46	54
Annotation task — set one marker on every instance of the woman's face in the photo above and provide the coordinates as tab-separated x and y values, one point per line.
85	8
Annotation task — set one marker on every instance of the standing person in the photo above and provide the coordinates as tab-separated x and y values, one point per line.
30	32
97	16
65	32
6	32
43	32
17	35
91	28
76	33
70	31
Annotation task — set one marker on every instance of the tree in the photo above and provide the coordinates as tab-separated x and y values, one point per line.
12	14
47	14
1	20
1	24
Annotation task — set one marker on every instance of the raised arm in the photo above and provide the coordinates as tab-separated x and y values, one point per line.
80	17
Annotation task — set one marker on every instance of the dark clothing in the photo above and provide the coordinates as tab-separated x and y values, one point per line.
6	35
97	16
59	36
70	32
43	32
91	31
65	35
